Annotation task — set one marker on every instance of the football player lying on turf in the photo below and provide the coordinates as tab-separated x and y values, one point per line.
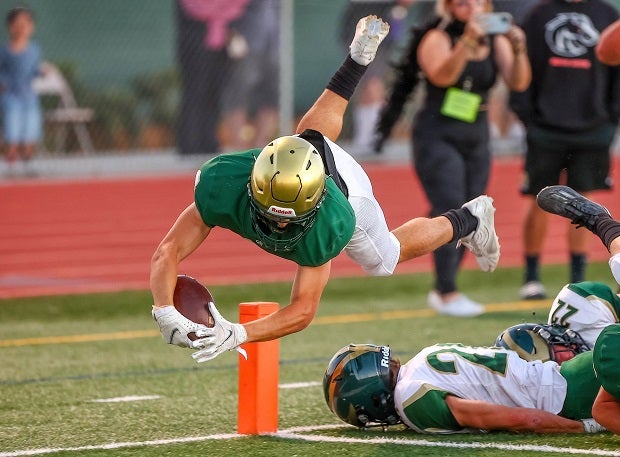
452	388
303	198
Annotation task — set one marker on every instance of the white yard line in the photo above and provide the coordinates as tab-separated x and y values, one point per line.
295	433
126	398
445	444
100	447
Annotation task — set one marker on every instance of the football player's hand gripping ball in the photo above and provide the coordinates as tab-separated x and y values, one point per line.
178	330
224	336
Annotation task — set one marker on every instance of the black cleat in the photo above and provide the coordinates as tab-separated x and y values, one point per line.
565	202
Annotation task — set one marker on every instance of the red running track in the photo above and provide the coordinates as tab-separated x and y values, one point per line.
60	237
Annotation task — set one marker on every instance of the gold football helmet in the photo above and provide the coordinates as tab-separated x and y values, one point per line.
286	188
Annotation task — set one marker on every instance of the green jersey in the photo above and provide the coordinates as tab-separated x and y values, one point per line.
582	386
222	198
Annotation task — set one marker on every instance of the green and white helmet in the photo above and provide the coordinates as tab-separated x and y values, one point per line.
357	386
542	342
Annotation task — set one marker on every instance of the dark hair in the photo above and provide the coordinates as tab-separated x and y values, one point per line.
394	369
16	11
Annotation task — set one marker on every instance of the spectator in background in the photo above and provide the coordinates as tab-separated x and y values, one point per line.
19	65
252	86
451	145
570	112
202	51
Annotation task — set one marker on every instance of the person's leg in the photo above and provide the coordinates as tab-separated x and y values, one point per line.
28	151
12	152
32	129
472	225
441	170
534	232
11	129
587	170
578	243
543	166
378	251
265	125
235	99
326	115
266	94
422	235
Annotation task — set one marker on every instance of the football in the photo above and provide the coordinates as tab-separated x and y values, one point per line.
192	300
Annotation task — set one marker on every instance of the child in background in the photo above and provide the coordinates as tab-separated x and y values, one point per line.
19	65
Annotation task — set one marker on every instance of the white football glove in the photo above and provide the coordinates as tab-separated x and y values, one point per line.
591	426
369	34
175	328
224	336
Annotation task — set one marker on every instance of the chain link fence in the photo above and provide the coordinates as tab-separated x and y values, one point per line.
202	76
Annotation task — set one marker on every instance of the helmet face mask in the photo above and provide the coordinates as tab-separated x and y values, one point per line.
542	342
280	233
358	386
286	190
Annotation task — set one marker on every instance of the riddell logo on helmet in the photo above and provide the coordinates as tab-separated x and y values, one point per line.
282	211
385	360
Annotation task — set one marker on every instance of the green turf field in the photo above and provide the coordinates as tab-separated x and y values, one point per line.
47	390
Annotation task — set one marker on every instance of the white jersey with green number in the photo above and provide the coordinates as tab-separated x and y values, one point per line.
493	375
587	308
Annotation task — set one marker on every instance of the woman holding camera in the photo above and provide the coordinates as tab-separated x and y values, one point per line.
460	60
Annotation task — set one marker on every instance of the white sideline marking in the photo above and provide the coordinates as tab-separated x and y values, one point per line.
188	439
300	385
99	447
295	433
127	398
445	444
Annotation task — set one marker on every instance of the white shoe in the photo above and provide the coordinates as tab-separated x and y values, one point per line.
532	290
369	34
483	241
459	306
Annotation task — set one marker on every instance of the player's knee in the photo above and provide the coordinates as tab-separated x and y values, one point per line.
378	270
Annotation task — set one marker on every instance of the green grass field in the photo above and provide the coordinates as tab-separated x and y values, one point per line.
47	390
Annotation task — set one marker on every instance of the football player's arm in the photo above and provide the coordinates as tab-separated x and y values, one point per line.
487	416
305	297
606	411
187	233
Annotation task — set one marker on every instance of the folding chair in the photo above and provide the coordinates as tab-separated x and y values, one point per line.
67	113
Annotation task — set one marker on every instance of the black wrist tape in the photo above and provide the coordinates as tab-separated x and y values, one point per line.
463	223
346	79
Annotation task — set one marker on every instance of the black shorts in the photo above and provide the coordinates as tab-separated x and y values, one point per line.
584	155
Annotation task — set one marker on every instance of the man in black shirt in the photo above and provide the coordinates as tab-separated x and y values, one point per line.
570	111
